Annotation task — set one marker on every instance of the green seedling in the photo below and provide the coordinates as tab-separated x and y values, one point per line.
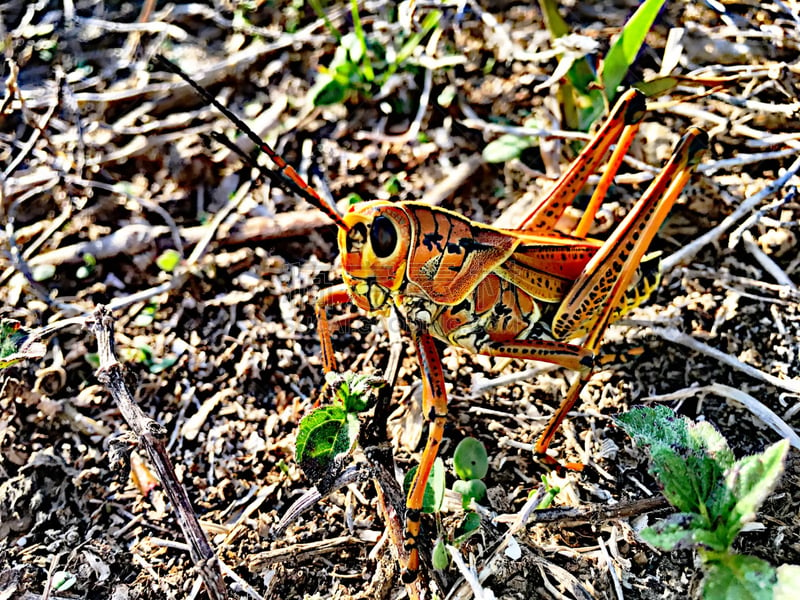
716	496
585	91
168	260
361	65
328	434
88	267
18	343
550	492
146	356
470	463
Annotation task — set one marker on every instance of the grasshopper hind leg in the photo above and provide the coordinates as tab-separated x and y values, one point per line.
603	291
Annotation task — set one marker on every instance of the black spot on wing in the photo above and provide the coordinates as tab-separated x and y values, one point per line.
429	240
470	245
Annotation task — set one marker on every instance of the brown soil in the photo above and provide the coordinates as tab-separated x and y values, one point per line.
109	145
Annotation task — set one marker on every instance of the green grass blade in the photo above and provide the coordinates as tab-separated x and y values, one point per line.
624	50
366	64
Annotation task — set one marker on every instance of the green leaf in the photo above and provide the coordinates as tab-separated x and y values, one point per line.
556	24
676	531
505	148
472	489
146	316
431	21
323	434
361	54
434	487
328	91
157	366
654	426
739	577
688	458
470	524
14	345
354	390
441	557
626	47
168	260
752	479
353	199
703	437
657	86
470	460
688	479
93	359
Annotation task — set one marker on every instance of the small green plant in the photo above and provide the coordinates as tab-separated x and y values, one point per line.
144	354
470	463
18	343
328	434
716	496
168	260
586	91
550	493
361	65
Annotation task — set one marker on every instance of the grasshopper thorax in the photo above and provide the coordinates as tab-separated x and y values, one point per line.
374	250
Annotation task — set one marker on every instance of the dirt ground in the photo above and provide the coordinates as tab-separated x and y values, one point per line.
105	169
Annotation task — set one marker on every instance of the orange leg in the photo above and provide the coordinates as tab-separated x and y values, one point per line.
571	356
591	302
625	116
332	296
434	409
606	180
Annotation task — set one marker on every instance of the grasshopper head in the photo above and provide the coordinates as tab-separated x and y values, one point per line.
374	250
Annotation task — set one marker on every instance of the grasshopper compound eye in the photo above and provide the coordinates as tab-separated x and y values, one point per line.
383	237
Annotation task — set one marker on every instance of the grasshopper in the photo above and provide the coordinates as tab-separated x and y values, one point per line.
530	293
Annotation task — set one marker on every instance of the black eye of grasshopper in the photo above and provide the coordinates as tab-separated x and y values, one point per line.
383	237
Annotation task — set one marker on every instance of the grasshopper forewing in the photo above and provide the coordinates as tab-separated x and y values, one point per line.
530	293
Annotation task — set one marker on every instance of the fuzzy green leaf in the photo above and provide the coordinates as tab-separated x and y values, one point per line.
689	459
739	577
324	434
676	531
688	479
703	437
654	426
354	390
752	479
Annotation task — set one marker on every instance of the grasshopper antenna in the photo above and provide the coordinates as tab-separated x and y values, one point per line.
285	176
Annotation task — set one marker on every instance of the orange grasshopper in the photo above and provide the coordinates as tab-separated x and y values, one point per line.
522	293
